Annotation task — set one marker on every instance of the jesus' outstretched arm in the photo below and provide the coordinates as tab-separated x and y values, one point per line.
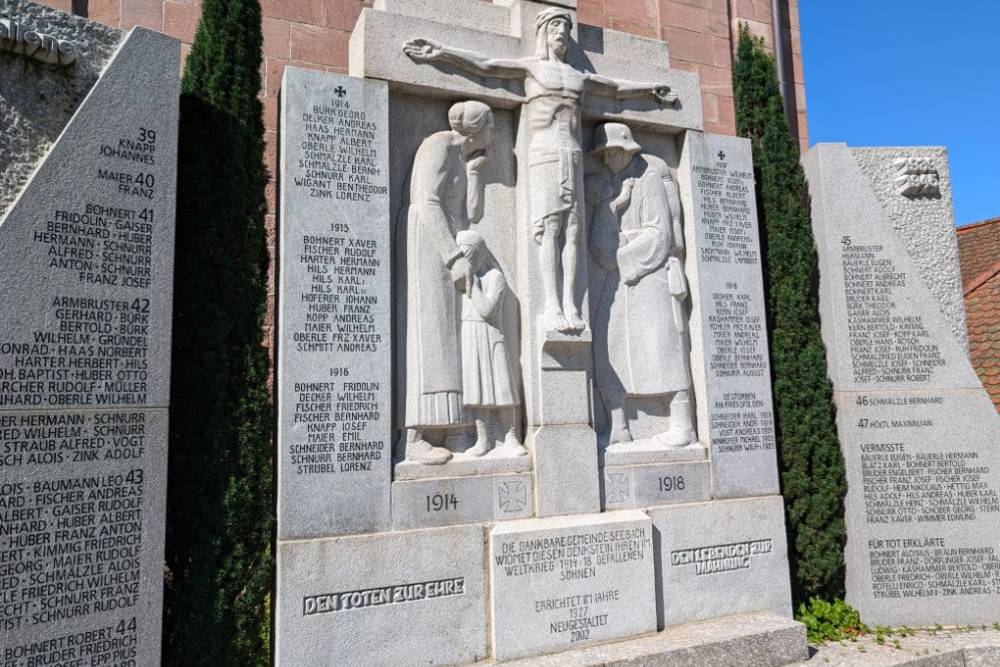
630	90
430	51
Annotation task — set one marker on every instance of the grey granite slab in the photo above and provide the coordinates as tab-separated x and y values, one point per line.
404	598
570	581
730	362
651	484
85	333
917	430
720	558
445	501
334	348
748	640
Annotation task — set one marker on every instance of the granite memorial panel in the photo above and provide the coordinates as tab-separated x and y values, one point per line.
729	339
569	582
88	160
402	598
569	298
917	430
720	558
334	392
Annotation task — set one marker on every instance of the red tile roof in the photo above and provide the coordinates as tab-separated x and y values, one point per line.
979	254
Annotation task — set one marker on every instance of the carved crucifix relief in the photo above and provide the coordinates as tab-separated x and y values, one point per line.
554	93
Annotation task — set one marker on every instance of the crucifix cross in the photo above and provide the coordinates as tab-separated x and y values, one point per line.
505	32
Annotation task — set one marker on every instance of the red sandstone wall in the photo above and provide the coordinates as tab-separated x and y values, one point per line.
315	34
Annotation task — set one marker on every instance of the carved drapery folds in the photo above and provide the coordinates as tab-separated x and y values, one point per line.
622	224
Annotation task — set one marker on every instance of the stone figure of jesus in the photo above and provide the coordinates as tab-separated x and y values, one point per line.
554	92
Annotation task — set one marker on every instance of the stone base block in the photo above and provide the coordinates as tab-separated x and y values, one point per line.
570	581
410	598
631	487
566	469
648	451
751	640
448	501
463	465
721	557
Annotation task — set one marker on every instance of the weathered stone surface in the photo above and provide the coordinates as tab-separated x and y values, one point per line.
334	356
445	501
404	598
729	355
461	467
639	455
723	557
651	484
566	581
566	470
924	223
30	128
917	430
747	640
85	341
946	647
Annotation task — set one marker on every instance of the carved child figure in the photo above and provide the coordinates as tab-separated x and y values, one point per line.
487	377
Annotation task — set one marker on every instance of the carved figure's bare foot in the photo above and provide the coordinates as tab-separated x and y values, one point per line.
620	433
421	451
677	437
575	321
480	448
554	320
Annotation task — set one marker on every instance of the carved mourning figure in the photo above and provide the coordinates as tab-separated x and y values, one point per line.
554	93
488	380
446	194
640	341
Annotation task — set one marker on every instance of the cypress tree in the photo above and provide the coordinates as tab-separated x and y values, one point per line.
812	467
220	505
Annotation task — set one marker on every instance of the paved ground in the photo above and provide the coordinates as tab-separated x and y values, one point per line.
950	647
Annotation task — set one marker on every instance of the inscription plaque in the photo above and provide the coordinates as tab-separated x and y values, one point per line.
334	384
85	370
730	336
566	582
344	600
917	430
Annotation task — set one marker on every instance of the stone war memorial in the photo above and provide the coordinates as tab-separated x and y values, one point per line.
918	432
88	152
524	402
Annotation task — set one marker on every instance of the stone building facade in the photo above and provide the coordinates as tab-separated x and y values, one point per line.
314	34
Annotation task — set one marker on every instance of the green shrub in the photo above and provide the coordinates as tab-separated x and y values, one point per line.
831	622
812	468
220	504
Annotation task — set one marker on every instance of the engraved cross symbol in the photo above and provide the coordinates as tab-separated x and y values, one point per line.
340	91
722	156
513	497
616	488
